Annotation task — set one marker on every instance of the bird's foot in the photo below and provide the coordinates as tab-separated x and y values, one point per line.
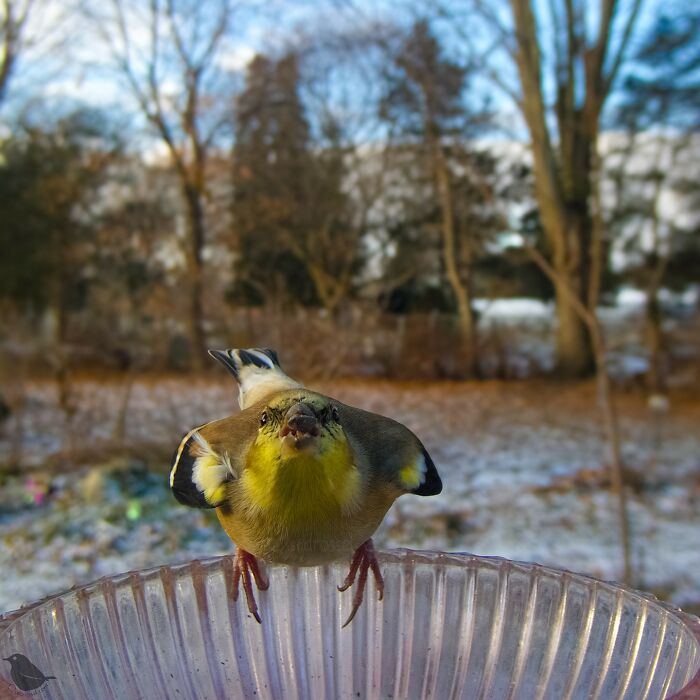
245	566
363	560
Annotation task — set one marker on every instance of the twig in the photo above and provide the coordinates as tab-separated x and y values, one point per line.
605	397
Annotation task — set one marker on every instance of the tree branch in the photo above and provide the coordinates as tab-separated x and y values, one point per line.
605	397
622	48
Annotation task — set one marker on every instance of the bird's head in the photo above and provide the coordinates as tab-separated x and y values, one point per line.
300	422
301	465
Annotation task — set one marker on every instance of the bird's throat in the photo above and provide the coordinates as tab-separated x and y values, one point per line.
299	486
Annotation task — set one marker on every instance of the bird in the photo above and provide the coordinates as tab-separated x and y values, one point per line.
297	477
25	674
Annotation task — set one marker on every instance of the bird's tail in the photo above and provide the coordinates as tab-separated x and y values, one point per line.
257	371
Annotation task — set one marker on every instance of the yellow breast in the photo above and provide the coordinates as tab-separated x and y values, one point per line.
303	509
304	488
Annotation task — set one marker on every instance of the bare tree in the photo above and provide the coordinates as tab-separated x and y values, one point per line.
293	213
36	51
645	171
337	69
173	71
562	76
606	401
14	15
330	245
425	95
338	81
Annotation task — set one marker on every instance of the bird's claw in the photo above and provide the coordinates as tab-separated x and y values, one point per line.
363	560
245	566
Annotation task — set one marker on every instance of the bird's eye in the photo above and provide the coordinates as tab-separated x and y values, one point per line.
335	415
263	418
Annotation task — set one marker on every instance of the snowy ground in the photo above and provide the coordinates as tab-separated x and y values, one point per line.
520	462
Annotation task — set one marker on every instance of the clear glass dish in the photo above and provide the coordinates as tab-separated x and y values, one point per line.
450	626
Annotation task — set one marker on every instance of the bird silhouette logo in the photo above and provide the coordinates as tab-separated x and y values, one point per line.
25	674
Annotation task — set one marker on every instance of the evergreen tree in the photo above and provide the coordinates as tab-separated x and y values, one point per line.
270	159
295	236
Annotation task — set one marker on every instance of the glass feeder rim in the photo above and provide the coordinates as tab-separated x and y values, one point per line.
403	557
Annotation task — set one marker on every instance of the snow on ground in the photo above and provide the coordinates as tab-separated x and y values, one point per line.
516	308
511	455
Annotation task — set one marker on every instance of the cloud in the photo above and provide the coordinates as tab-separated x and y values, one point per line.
235	58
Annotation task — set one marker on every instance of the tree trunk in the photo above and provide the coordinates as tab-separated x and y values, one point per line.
656	379
563	183
568	231
577	264
573	349
59	353
461	291
566	238
616	465
656	263
575	247
193	247
331	290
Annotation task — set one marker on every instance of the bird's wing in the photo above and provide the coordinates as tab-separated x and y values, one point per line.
393	452
28	670
211	456
35	675
257	371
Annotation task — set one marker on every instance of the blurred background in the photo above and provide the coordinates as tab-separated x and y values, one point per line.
479	218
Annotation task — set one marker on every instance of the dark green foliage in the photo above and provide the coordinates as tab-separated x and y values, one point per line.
289	208
269	157
503	275
125	243
413	297
424	88
48	181
684	264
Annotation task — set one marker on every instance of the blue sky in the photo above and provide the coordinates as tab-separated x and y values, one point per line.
75	70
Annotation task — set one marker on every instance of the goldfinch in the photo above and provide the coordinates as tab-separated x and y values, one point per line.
297	477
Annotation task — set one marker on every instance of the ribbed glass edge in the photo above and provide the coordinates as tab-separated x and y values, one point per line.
407	557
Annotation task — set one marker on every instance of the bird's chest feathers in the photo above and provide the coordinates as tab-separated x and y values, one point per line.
299	490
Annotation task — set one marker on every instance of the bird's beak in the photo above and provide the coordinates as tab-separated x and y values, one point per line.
300	426
226	359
